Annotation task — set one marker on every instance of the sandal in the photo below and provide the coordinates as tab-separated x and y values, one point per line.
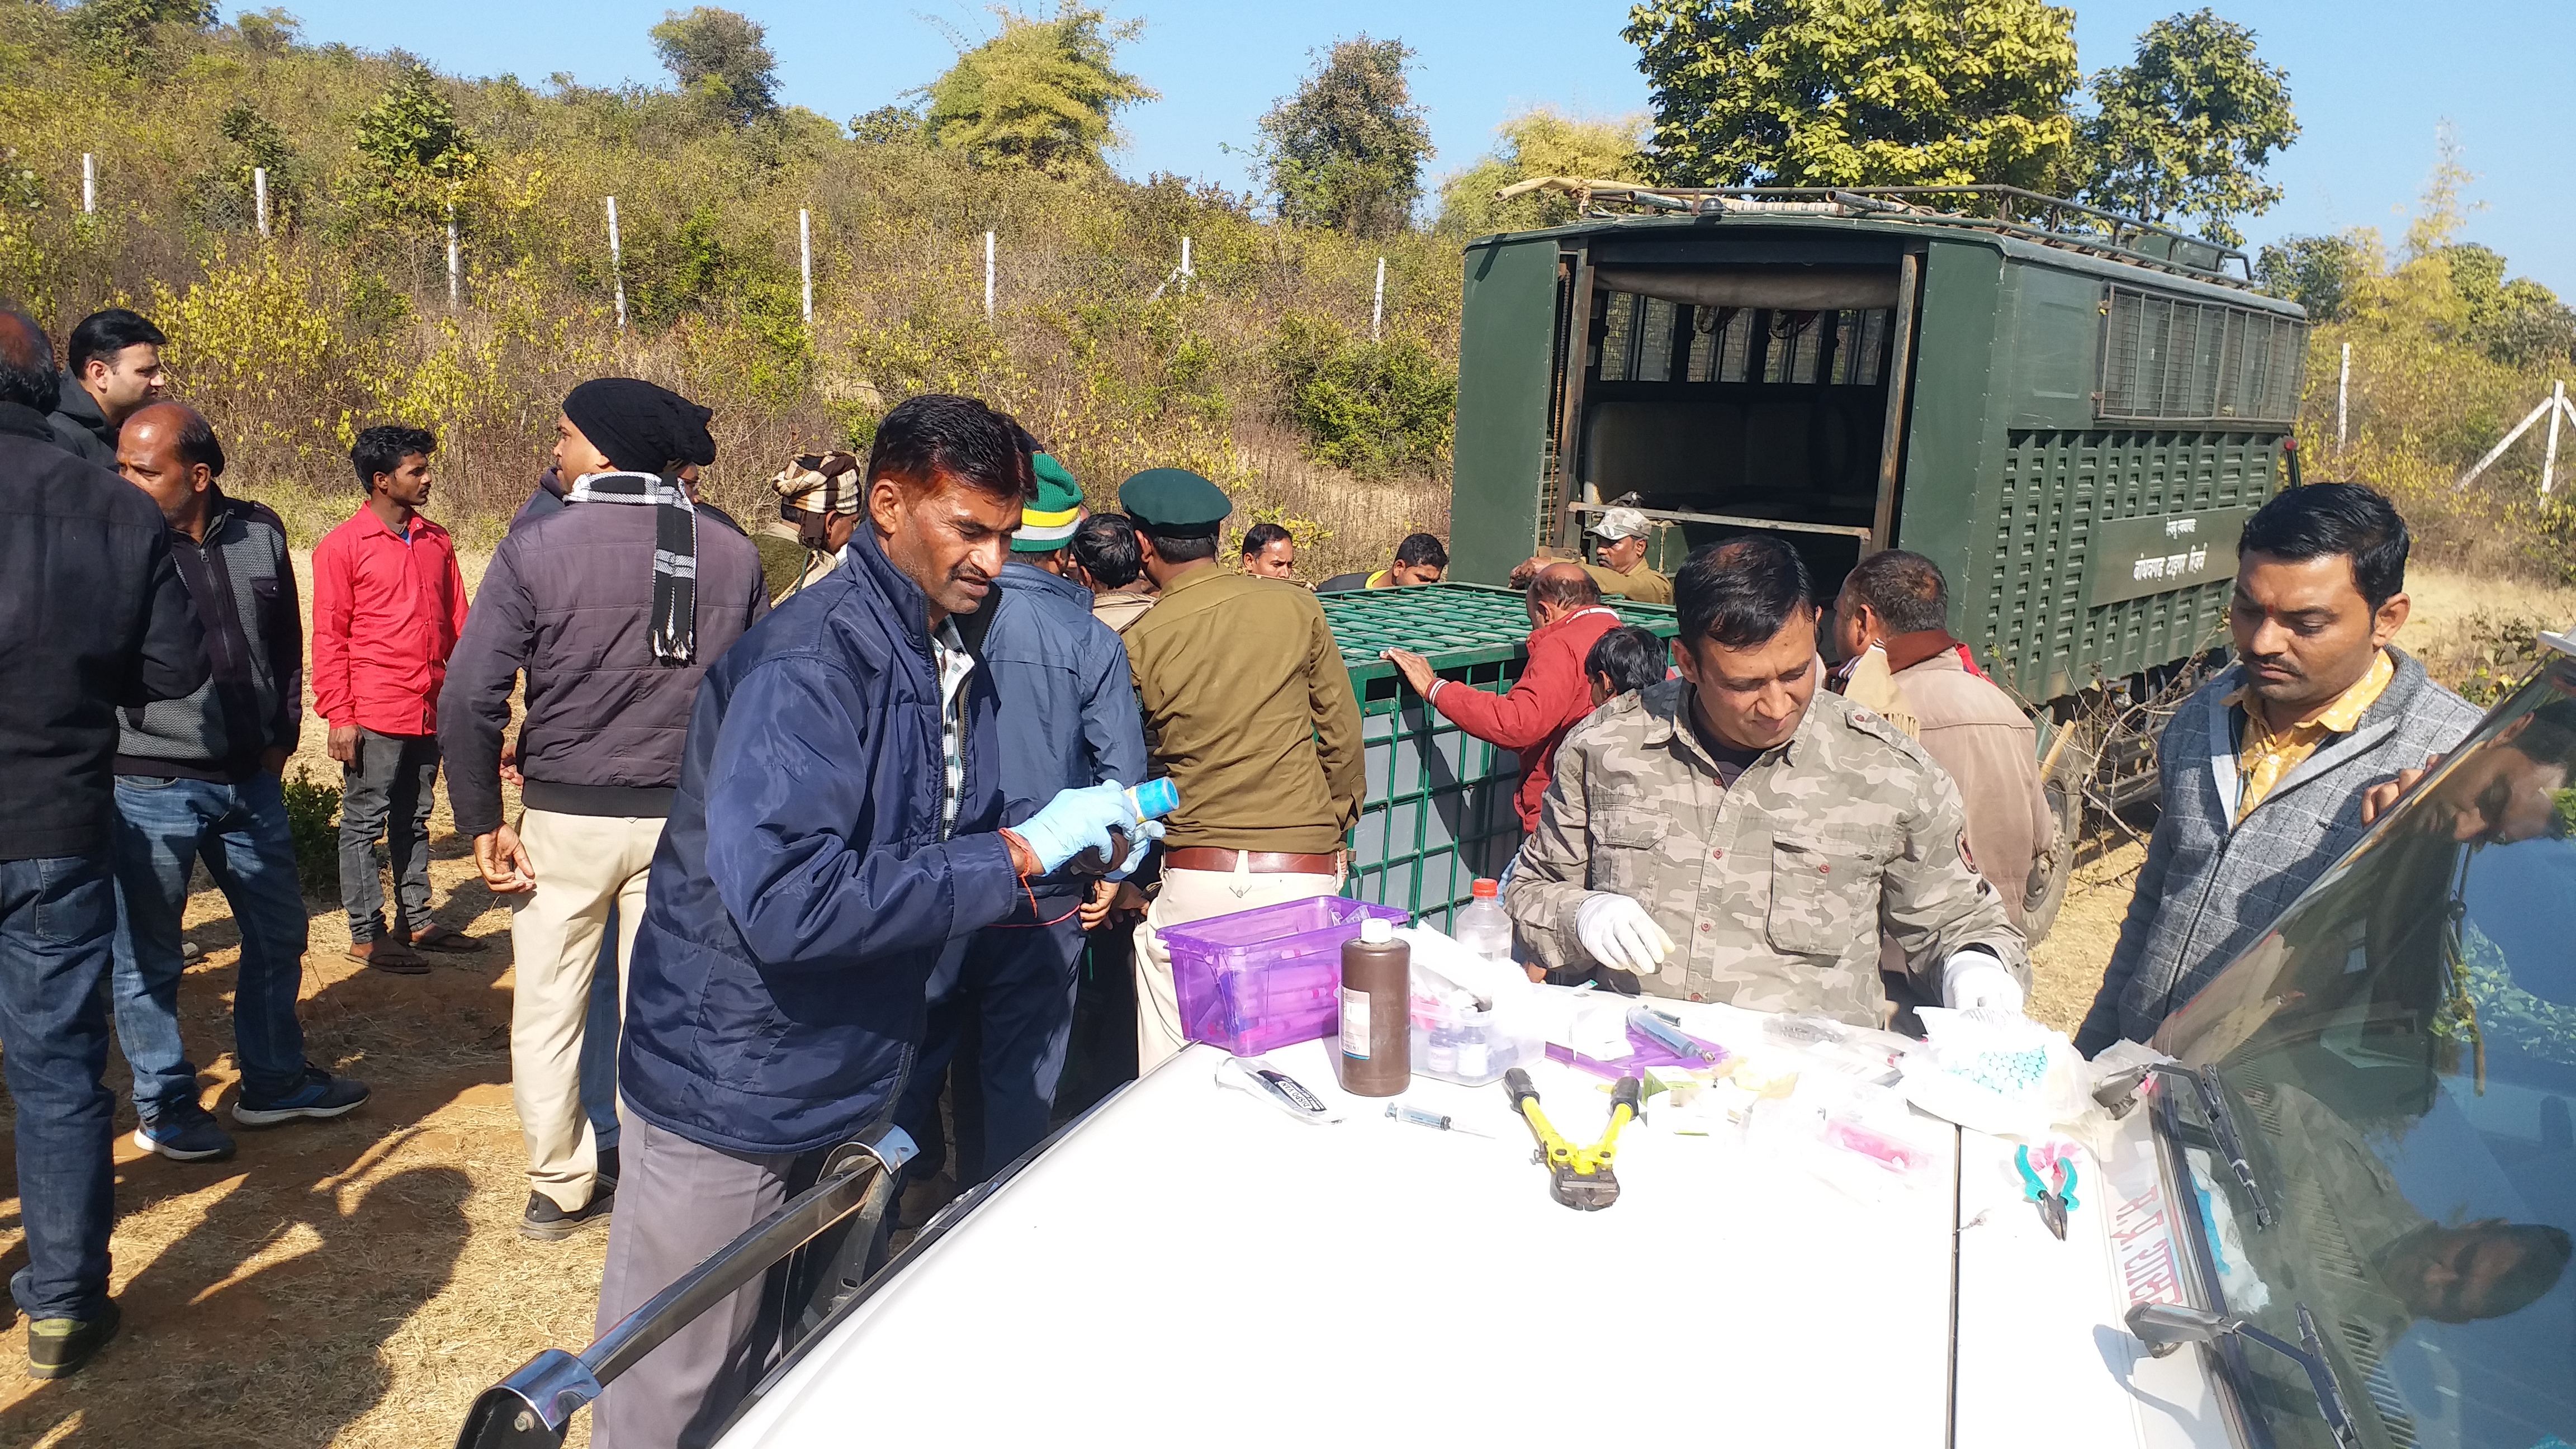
446	939
387	955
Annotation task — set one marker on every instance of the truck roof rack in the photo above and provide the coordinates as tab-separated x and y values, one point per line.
2005	210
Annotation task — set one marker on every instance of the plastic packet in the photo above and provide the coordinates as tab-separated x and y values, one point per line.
2000	1074
1858	1138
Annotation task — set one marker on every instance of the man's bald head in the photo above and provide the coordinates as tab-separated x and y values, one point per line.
169	451
183	428
27	375
1558	590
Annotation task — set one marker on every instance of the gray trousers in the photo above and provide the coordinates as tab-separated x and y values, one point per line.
387	791
677	1203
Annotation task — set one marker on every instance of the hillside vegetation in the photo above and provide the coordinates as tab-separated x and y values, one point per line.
341	317
1256	368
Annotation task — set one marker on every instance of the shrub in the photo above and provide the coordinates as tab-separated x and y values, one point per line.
313	823
2491	654
1375	408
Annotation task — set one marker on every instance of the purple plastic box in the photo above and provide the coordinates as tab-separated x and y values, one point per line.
1267	977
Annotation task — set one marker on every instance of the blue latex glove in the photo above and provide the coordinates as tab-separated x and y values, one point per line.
1140	843
1076	821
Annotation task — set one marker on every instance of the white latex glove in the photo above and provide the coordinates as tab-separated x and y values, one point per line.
1618	932
1976	980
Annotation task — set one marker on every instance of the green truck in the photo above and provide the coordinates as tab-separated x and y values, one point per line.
2070	411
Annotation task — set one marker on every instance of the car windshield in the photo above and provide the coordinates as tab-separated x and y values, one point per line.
2399	1056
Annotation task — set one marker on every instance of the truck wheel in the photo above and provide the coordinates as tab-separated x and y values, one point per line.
2063	788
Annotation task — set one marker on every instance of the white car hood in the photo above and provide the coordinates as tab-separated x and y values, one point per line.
1189	1264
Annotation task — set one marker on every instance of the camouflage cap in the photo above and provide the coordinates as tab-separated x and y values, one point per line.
1619	523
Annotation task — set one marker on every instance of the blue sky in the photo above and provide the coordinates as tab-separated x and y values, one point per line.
2371	79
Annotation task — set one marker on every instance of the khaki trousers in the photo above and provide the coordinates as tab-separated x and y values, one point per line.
585	864
1195	895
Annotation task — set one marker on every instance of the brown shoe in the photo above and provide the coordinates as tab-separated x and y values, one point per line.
388	955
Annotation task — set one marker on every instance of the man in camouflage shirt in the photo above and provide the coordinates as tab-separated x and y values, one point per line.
1733	835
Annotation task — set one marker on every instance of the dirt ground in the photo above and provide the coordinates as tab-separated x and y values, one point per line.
357	1282
353	1282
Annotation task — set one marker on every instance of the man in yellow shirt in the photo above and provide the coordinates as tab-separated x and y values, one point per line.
1420	559
2264	769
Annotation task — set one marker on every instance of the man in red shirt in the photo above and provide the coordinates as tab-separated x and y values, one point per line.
388	603
1552	694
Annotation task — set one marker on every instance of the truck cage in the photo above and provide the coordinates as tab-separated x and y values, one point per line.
2049	220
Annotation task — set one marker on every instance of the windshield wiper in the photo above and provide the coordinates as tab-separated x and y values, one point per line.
2222	1126
2168	1326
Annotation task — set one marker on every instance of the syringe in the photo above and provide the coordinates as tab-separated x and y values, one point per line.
1420	1118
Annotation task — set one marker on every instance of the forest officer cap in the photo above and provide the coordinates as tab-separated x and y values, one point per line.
1050	518
1174	501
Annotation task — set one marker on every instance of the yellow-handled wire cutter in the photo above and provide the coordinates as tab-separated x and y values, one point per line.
1579	1177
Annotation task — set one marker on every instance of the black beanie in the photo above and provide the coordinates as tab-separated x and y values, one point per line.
640	427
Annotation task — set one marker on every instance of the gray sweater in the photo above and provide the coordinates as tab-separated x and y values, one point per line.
2209	889
242	585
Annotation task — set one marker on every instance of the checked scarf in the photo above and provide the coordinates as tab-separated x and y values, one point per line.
675	554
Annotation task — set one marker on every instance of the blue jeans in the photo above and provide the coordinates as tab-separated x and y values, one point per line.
57	918
163	827
997	1036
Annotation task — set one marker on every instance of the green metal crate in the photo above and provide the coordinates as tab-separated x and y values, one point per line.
1438	808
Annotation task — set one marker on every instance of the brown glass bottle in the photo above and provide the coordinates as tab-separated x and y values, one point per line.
1375	1059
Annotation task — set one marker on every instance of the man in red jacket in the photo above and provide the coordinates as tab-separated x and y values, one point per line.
1551	696
388	604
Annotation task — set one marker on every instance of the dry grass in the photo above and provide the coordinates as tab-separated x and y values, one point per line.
2445	603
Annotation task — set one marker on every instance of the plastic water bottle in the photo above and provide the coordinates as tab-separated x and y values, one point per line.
1482	927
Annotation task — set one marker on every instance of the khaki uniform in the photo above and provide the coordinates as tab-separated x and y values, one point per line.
1248	707
1119	608
1775	891
786	564
1645	585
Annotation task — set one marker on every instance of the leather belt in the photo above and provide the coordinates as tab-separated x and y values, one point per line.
1259	862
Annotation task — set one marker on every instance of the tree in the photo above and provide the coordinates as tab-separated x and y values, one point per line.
1346	151
721	57
263	147
1856	92
419	155
2186	128
2317	272
268	32
1540	142
123	34
2519	323
1040	94
886	126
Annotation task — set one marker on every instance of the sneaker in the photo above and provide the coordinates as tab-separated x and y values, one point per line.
59	1347
319	1094
186	1134
548	1223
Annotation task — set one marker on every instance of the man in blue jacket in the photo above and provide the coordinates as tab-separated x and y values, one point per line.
836	824
1052	664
